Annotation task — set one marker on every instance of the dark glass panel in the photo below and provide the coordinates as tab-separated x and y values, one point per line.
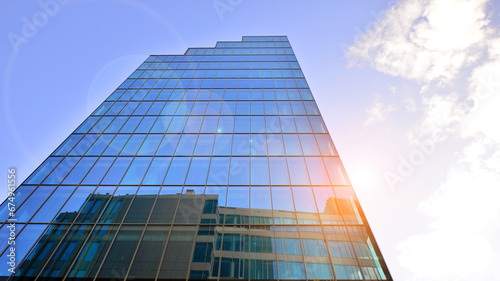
190	205
47	247
166	204
90	258
142	205
149	253
121	253
177	255
24	241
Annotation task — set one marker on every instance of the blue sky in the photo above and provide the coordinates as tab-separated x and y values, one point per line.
409	91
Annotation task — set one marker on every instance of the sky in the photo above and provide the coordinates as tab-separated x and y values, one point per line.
409	90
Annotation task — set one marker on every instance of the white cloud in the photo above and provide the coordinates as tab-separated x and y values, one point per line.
436	42
378	112
410	105
464	223
425	40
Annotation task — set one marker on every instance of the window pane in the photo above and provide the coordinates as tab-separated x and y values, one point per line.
198	170
136	171
239	171
149	253
317	171
259	171
177	171
304	200
204	145
298	171
219	168
223	144
279	171
168	145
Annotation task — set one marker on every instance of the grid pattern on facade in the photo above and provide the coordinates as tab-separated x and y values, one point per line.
215	164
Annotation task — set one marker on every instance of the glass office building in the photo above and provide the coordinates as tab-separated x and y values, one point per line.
215	164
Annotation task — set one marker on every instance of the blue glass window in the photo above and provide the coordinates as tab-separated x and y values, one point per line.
83	144
241	144
193	124
177	171
43	170
317	171
289	246
146	124
136	171
133	144
98	171
60	172
239	171
157	170
303	125
150	145
68	144
282	198
238	197
298	171
225	124
222	144
273	124
168	145
115	173
186	145
80	170
319	271
258	144
209	124
259	171
116	145
51	207
291	270
304	200
177	124
260	198
131	124
336	171
275	145
317	124
199	108
279	171
292	145
198	170
288	124
258	124
100	145
242	124
204	145
213	107
309	144
326	145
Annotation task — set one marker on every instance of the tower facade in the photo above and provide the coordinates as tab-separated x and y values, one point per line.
215	164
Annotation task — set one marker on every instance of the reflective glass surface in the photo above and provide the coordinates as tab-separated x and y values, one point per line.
215	164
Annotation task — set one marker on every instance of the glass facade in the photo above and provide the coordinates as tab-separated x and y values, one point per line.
215	164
